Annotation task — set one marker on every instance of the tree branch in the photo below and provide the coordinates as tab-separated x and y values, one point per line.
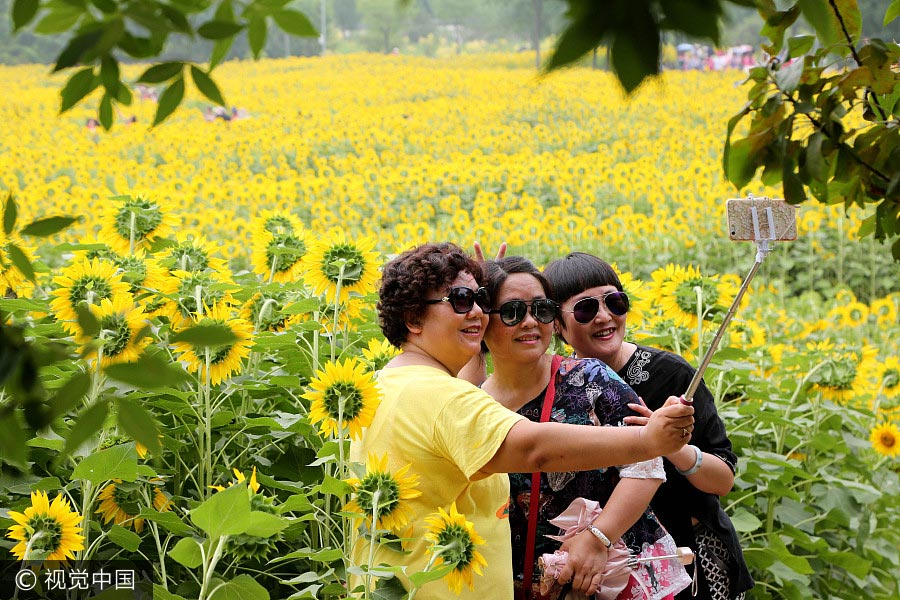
840	18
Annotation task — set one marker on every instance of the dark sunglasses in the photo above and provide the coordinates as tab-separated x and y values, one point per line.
514	311
463	299
586	309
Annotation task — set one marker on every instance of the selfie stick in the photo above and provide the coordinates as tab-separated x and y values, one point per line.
762	250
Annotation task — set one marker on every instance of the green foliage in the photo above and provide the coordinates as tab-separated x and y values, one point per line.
101	38
829	128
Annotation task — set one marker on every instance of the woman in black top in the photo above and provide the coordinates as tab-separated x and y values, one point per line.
592	320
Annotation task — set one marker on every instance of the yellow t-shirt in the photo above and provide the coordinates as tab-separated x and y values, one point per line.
447	429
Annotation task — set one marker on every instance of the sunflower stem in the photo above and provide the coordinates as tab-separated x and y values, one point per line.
699	291
375	498
272	269
131	229
337	307
210	567
206	476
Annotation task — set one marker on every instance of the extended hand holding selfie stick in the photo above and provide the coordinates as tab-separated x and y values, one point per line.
761	220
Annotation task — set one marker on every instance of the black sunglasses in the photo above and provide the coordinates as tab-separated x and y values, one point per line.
586	309
514	311
463	299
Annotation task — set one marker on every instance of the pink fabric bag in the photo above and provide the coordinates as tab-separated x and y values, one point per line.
621	572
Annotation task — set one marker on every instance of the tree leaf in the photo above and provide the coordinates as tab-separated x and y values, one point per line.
137	422
635	51
823	19
169	100
187	552
12	440
225	513
205	336
219	52
109	74
294	22
10	212
148	372
79	85
800	44
207	86
48	226
162	72
105	112
116	462
256	34
59	20
87	423
218	30
20	260
70	393
76	48
124	538
893	11
23	11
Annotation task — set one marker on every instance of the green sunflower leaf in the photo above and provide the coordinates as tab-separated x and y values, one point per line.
205	336
139	424
148	372
124	538
169	521
187	552
242	587
48	226
225	513
10	212
118	462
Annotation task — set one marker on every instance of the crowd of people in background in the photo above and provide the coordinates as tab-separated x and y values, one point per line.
699	57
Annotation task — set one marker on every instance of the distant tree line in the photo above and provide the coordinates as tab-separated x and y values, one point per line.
381	25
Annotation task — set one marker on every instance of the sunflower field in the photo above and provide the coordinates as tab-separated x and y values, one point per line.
207	337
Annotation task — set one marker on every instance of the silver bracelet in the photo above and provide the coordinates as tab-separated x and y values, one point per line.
697	462
599	535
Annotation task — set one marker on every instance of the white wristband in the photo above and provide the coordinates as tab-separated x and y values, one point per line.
600	535
698	460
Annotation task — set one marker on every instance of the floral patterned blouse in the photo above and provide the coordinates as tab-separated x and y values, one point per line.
587	392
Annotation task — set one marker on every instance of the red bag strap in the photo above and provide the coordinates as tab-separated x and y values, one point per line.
527	586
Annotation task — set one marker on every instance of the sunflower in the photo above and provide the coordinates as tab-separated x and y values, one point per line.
184	289
685	291
333	261
46	531
393	490
191	253
343	396
117	341
11	278
279	256
885	439
266	310
239	477
851	314
121	502
639	306
142	274
275	222
134	222
224	360
884	311
379	353
847	374
252	546
887	375
455	540
84	281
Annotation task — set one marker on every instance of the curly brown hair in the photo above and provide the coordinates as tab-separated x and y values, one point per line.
408	280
